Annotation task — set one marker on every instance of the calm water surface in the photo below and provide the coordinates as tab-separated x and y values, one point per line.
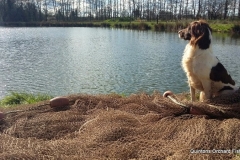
61	61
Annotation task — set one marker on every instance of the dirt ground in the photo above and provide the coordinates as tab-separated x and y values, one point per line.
139	126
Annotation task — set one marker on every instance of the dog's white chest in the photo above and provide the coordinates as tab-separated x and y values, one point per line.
197	61
197	64
189	60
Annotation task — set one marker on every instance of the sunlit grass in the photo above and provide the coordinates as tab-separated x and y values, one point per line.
16	98
221	27
217	26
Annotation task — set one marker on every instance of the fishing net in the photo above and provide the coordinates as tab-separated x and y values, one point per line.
139	126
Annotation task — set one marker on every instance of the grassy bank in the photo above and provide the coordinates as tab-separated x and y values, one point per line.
217	26
16	98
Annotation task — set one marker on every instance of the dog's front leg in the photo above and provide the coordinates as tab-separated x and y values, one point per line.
202	96
207	91
192	93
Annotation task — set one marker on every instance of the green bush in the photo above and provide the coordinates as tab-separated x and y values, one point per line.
23	98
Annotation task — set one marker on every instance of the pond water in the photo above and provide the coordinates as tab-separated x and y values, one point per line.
61	61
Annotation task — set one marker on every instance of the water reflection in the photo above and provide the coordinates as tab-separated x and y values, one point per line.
226	38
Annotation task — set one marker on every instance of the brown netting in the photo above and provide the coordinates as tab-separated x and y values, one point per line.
139	126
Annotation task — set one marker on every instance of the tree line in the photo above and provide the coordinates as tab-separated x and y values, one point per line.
87	10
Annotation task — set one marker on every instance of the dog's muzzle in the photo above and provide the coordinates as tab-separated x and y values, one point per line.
183	34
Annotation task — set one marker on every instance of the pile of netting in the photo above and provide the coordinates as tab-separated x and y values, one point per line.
139	126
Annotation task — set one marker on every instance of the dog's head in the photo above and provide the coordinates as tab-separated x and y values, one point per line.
198	33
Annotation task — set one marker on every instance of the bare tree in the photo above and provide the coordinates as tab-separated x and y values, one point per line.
225	9
103	9
239	9
199	9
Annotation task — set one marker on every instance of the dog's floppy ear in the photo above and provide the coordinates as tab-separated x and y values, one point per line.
200	34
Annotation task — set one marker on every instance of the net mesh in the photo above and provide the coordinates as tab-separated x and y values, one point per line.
139	126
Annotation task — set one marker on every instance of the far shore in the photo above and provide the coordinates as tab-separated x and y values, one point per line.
217	26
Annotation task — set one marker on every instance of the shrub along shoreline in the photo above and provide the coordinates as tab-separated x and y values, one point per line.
17	98
217	26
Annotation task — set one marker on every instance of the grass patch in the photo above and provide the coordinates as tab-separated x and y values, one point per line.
221	27
16	98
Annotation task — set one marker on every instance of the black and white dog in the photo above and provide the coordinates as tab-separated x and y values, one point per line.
203	69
